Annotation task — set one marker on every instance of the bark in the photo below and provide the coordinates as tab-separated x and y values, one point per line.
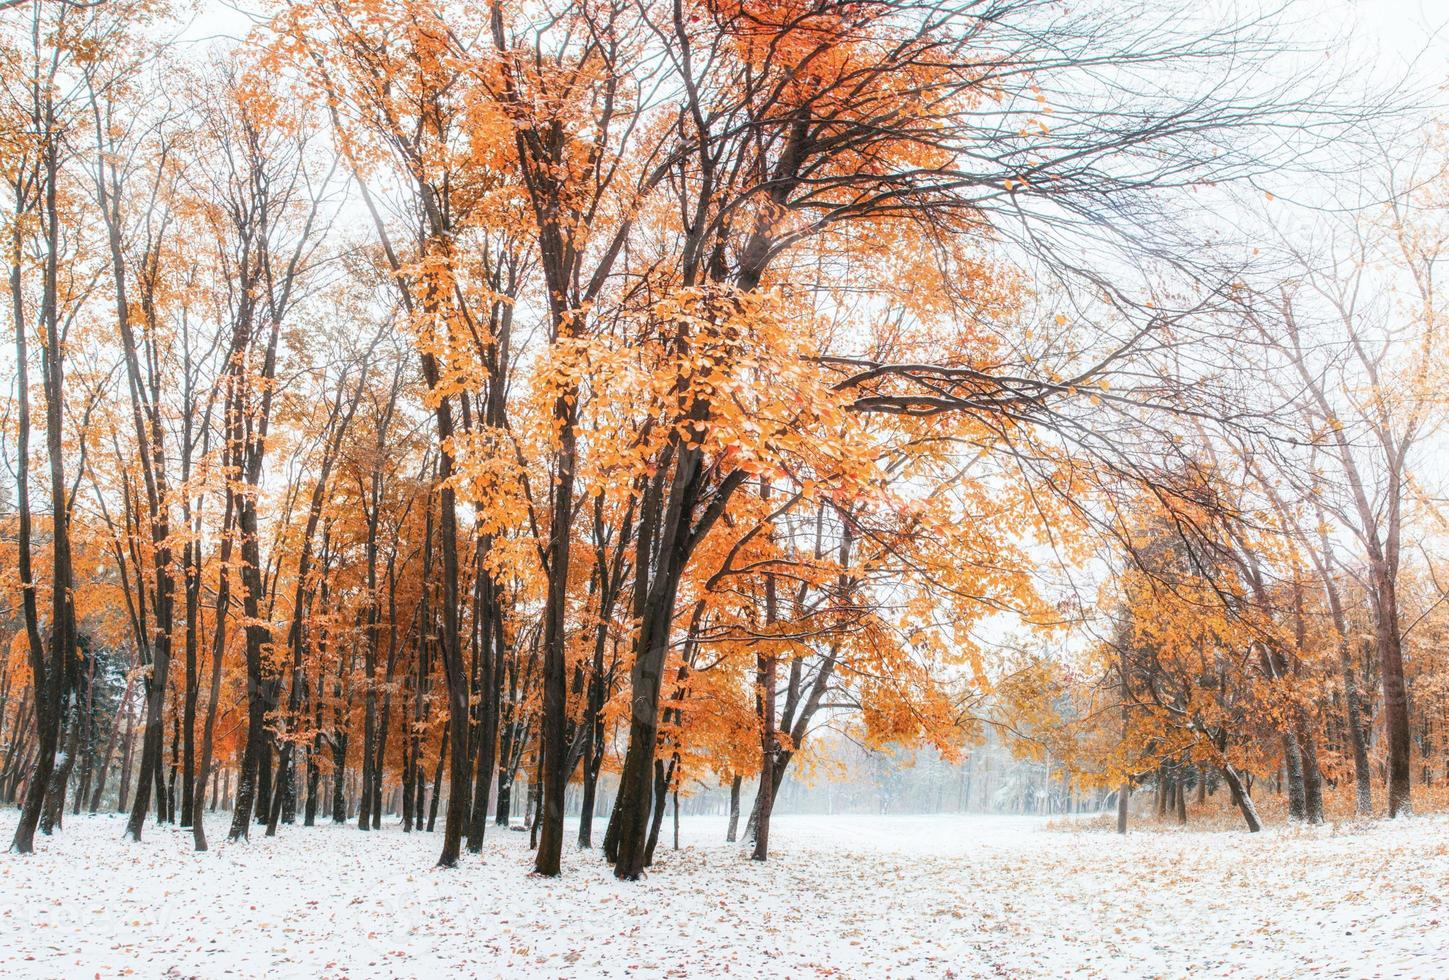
461	773
553	725
609	574
655	596
1353	710
765	796
54	812
314	778
254	763
48	678
1358	740
370	798
438	779
730	832
380	755
337	808
409	785
1241	799
588	798
765	667
1180	795
218	649
1293	766
1124	794
1396	701
490	641
1312	775
125	791
662	776
504	806
189	792
82	792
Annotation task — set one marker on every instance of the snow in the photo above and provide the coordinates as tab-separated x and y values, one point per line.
927	896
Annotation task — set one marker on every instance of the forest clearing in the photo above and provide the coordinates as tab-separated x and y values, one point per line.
843	896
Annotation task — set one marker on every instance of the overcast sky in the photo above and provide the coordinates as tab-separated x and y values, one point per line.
1403	30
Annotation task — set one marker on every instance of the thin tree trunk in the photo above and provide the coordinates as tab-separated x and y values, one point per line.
1242	799
730	832
438	778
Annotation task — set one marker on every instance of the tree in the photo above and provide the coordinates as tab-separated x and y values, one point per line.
1369	422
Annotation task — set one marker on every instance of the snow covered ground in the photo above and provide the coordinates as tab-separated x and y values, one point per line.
931	896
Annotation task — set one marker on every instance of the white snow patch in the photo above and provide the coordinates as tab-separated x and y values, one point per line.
929	896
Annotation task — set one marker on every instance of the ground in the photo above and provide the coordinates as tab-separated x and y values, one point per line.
890	896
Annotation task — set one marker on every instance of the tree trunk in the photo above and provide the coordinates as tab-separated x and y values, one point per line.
765	796
1312	775
553	725
53	814
409	786
1358	740
189	794
438	780
730	831
1293	768
1241	799
48	679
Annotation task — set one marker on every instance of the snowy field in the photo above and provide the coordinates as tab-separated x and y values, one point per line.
938	896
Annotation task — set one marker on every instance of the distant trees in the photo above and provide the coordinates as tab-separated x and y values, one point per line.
1372	403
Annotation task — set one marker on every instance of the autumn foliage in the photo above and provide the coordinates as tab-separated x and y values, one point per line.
415	400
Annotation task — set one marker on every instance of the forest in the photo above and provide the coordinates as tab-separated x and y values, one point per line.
441	418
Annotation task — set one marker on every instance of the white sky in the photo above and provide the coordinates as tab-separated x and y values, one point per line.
1399	31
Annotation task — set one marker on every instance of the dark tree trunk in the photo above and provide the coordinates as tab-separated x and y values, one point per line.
409	786
53	814
504	807
314	779
287	786
127	750
765	798
588	798
1312	775
339	771
254	775
88	752
656	815
1293	770
438	779
489	654
267	787
189	793
48	679
1396	698
553	725
1358	740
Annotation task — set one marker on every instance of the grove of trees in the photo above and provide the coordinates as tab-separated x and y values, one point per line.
416	400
